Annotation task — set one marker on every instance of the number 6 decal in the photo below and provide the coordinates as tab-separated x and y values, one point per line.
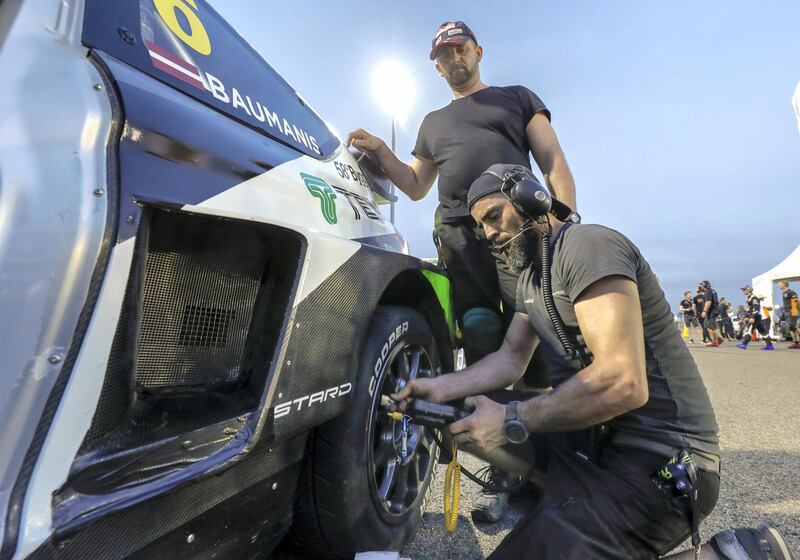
197	38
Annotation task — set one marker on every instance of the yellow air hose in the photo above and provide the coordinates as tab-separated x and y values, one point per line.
452	480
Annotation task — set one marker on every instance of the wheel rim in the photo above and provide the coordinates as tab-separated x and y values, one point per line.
397	484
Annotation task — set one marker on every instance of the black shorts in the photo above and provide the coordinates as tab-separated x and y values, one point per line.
690	321
711	320
792	321
610	510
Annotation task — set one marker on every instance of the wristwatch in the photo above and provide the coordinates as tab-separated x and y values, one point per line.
574	218
513	428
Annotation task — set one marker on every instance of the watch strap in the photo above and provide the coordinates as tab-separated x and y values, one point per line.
511	411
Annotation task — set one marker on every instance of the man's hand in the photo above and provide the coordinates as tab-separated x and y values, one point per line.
364	141
482	431
703	315
422	388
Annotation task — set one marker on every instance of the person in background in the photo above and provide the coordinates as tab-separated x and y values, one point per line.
725	322
755	324
710	314
699	302
766	316
791	309
741	315
689	317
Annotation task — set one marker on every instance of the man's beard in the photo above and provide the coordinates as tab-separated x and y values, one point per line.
459	77
521	252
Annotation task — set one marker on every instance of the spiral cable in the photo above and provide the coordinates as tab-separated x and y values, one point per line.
547	296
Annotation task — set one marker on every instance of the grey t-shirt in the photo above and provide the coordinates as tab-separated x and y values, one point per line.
470	134
678	412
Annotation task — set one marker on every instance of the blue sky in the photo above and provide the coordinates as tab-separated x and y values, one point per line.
675	117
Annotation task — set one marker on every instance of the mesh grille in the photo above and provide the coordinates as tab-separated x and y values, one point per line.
205	326
197	301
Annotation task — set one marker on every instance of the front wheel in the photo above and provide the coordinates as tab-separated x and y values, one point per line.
358	492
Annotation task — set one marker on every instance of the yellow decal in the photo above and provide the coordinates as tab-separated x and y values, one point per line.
197	38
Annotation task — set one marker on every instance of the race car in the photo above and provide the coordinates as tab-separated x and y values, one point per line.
203	303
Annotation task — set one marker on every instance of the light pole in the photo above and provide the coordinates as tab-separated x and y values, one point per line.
393	88
391	191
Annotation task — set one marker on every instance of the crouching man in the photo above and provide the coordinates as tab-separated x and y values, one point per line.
609	428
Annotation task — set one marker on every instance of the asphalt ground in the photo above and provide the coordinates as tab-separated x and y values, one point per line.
756	396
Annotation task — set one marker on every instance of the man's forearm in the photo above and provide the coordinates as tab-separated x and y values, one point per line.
588	398
401	174
494	372
561	183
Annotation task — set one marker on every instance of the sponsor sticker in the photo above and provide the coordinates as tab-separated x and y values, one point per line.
325	193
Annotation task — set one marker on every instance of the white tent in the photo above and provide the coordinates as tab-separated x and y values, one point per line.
788	269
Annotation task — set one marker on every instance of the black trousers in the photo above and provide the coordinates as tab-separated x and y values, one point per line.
608	511
479	278
727	327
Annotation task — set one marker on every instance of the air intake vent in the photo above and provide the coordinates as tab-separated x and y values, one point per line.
198	296
204	311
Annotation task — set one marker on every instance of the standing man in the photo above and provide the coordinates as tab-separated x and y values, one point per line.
710	313
791	308
754	320
699	304
689	318
481	126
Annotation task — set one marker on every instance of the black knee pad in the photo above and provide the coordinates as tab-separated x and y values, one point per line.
747	543
482	329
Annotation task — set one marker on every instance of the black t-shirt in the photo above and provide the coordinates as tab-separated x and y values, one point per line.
687	307
678	411
698	303
711	295
471	133
723	310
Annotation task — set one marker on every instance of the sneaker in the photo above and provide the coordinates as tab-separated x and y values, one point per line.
794	346
764	543
712	344
742	345
777	545
692	341
490	506
768	346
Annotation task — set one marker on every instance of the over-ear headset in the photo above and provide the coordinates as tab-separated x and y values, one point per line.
530	197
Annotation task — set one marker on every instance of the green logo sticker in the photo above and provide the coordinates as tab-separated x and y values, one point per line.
326	195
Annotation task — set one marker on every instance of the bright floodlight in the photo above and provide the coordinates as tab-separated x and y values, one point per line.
394	89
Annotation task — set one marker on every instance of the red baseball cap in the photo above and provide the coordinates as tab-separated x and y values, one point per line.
451	33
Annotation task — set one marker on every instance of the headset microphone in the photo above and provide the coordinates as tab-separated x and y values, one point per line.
527	226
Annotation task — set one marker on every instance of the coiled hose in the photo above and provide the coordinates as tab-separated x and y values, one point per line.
547	296
452	481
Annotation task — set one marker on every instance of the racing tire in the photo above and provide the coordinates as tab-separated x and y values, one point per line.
355	493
